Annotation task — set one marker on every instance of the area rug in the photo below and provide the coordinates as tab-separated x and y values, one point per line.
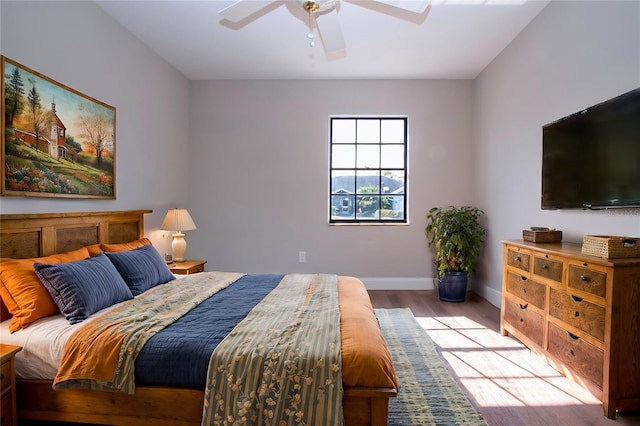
428	394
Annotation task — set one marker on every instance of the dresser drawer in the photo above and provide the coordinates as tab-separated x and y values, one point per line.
578	313
518	258
522	318
5	375
581	356
588	280
548	268
526	289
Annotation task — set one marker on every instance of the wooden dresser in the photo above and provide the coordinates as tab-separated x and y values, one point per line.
580	312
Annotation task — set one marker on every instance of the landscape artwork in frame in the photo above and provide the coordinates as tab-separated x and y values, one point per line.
56	141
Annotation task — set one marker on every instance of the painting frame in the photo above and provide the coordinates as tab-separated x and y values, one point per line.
65	151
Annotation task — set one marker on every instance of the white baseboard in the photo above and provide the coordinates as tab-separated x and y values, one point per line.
398	283
492	295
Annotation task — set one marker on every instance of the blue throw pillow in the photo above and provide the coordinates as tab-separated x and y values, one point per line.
141	268
83	287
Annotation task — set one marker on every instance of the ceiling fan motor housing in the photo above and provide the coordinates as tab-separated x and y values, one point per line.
310	6
313	6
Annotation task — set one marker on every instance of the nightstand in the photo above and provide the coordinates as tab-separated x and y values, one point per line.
8	414
187	267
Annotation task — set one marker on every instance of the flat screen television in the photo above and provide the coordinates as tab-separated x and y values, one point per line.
591	159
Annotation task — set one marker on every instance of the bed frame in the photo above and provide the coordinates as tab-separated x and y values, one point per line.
34	235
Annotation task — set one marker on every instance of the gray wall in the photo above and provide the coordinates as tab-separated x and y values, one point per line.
573	55
80	46
259	175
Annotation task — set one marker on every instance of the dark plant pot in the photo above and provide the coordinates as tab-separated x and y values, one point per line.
452	287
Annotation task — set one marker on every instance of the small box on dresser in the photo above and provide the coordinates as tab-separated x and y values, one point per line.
580	312
547	236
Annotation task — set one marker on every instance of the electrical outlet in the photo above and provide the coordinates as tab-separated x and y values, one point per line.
302	257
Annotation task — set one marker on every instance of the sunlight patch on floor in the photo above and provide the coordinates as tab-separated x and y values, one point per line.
448	322
463	332
498	370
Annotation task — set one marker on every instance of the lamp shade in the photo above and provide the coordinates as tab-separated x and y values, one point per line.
178	220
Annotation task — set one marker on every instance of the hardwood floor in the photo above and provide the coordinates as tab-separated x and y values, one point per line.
507	383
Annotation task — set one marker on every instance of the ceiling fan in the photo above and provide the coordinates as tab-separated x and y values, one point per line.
323	12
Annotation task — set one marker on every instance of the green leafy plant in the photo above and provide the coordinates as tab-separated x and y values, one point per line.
456	235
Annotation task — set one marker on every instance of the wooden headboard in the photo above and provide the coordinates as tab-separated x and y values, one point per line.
36	235
43	234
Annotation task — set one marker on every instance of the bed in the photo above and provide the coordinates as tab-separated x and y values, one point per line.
36	235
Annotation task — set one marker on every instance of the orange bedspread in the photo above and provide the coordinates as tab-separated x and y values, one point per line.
366	361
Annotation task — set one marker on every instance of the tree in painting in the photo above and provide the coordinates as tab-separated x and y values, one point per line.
97	129
13	96
40	118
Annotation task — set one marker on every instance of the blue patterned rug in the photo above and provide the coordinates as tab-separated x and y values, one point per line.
428	394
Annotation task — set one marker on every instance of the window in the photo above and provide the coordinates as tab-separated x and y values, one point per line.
368	170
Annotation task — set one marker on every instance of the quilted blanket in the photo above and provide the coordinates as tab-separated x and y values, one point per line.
282	362
101	355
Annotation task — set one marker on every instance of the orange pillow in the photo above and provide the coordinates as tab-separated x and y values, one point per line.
23	293
94	249
125	246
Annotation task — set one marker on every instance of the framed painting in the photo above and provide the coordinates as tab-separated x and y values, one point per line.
56	141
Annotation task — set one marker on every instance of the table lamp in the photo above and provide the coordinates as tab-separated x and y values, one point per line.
178	220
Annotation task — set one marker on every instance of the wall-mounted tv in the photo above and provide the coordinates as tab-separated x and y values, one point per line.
591	159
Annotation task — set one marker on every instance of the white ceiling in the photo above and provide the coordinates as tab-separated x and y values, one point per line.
451	40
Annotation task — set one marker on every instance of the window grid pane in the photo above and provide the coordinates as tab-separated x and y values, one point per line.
368	170
344	131
343	156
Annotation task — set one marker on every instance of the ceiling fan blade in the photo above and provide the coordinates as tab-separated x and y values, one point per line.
330	31
414	6
242	9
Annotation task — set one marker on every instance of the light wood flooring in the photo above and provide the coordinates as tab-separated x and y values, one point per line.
507	383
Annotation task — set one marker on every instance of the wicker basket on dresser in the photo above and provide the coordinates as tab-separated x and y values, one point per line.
580	312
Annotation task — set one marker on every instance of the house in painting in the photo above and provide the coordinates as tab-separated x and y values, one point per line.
54	144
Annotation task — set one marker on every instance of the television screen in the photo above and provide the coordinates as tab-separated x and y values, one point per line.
591	159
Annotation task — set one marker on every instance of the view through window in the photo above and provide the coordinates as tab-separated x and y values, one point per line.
368	170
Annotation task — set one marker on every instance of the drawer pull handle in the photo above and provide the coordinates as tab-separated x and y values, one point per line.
584	278
577	313
517	259
571	352
576	298
524	290
523	278
544	266
525	306
1	376
573	336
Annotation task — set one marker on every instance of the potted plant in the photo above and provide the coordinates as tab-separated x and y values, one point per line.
456	236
